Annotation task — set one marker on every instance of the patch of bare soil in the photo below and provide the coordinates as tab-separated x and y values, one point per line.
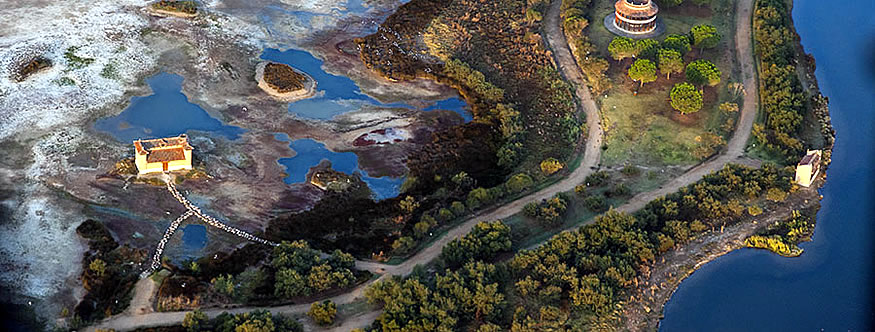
643	309
689	9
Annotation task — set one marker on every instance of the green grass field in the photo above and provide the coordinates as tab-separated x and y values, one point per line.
643	129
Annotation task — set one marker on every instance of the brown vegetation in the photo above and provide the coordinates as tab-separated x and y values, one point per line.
30	67
283	78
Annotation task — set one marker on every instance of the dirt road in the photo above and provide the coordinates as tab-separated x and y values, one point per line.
556	40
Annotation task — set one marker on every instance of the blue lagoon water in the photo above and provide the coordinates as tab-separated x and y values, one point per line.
310	153
830	287
166	112
338	94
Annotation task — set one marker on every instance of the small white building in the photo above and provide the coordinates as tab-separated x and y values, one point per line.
808	168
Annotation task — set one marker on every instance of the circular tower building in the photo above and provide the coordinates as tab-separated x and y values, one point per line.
635	16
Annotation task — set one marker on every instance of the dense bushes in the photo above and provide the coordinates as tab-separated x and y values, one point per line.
586	272
483	242
300	271
107	276
471	296
781	92
548	210
258	320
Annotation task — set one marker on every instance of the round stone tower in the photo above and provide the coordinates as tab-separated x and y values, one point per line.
635	16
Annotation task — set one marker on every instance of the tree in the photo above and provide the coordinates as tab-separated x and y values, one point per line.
408	204
621	48
670	61
704	36
646	48
420	229
323	313
224	284
290	283
643	71
680	43
256	321
702	72
458	208
685	98
194	321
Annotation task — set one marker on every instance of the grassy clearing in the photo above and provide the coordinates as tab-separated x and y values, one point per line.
643	129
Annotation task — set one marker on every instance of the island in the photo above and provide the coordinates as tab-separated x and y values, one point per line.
284	82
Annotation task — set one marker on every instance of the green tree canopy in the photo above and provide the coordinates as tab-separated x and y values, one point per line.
646	48
686	98
704	36
702	72
194	321
643	71
622	47
485	241
680	43
670	61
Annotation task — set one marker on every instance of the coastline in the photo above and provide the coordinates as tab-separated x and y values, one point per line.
664	278
308	91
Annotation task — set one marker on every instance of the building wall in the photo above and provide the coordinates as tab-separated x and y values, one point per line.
803	175
146	167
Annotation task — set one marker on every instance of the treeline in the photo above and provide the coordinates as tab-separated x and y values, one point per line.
584	274
469	294
574	21
258	320
575	280
781	94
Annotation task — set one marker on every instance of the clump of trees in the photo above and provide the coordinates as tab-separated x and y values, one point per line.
781	94
472	296
483	242
300	271
258	320
106	275
586	272
549	210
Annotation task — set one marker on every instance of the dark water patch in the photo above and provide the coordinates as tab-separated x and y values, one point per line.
194	237
829	287
166	112
310	153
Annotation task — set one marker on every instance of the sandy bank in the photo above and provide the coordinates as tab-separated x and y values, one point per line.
308	91
168	13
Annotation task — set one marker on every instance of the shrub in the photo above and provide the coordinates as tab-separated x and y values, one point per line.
776	195
595	203
548	210
519	183
445	214
630	170
194	321
597	179
323	313
458	208
685	98
754	210
550	166
620	190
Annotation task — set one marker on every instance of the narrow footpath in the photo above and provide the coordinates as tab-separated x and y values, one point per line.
569	69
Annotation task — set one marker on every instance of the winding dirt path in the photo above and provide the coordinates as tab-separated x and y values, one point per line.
568	67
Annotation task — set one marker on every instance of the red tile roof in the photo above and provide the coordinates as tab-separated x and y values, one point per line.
164	155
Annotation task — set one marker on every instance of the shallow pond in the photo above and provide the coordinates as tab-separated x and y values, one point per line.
310	153
166	112
338	94
829	287
194	238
